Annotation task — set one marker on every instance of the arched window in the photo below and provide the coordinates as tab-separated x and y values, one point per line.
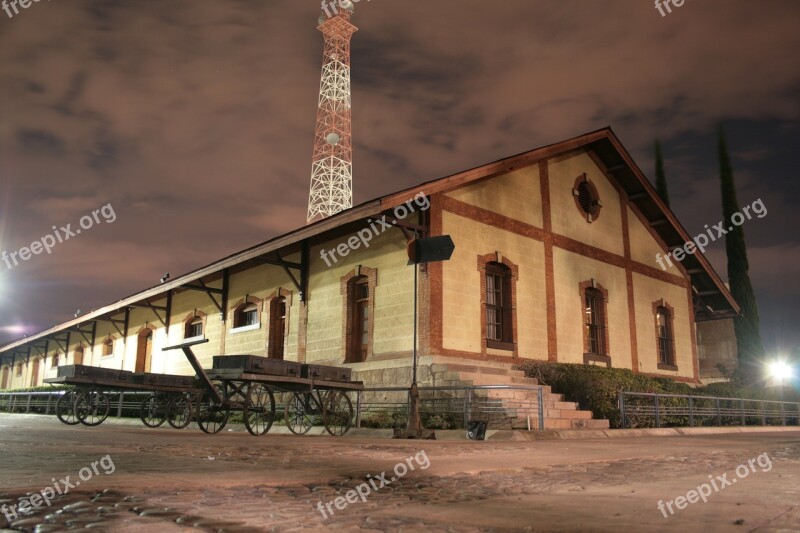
359	307
594	318
108	347
19	369
246	315
499	332
54	361
194	328
78	356
665	342
595	314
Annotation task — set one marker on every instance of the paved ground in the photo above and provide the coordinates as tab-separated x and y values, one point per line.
165	480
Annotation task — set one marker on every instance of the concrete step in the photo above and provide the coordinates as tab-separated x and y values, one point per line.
573	423
567	413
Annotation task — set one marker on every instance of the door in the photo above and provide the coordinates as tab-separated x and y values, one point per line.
277	314
4	384
35	372
78	358
144	350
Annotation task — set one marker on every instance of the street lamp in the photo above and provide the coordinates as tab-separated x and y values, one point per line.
780	371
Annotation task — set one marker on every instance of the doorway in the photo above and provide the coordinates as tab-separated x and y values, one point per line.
4	384
144	350
78	357
35	372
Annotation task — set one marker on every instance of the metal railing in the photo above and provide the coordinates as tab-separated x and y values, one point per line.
450	407
640	409
44	402
444	407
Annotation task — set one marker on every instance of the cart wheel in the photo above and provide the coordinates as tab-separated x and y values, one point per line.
298	418
65	408
259	409
153	412
337	413
211	416
179	411
92	407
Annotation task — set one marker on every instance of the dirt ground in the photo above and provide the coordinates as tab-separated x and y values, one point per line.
163	480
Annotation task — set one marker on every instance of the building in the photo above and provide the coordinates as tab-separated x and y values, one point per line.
555	260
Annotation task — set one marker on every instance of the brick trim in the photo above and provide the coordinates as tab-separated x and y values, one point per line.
626	246
549	271
693	336
191	316
479	214
483	261
345	289
236	308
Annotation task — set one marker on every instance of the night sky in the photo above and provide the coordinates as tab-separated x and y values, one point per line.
195	121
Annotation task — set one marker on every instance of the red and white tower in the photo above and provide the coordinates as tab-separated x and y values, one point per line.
332	164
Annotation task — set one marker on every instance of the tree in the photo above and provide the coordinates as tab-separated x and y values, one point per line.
746	325
661	178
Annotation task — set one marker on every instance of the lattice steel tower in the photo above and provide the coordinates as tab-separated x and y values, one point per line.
332	164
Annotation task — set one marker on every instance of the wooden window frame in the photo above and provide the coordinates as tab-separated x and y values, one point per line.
108	342
589	356
661	307
348	327
500	264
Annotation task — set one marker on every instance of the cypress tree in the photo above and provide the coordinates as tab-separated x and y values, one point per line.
746	325
661	178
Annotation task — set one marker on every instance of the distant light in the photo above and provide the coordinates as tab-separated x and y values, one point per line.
780	371
16	329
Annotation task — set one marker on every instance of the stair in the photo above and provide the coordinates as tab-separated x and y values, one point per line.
510	408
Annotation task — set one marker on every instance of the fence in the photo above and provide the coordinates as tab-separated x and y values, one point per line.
639	409
44	402
501	406
451	407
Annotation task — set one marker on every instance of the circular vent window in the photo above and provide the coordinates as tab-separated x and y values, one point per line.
586	198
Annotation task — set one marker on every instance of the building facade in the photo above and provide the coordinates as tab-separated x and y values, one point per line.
555	260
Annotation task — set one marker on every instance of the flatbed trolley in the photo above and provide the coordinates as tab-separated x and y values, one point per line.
254	395
89	404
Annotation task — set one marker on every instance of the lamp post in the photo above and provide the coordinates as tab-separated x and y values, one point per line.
427	250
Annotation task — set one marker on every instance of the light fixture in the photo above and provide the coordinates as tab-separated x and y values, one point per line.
165	277
780	371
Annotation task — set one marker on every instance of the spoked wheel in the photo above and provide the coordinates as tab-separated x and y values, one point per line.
212	416
337	413
92	407
179	411
259	409
65	408
299	418
153	412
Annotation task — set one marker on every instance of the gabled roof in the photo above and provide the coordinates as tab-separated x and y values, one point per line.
708	287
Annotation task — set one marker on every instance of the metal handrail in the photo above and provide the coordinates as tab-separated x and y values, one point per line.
765	408
468	404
